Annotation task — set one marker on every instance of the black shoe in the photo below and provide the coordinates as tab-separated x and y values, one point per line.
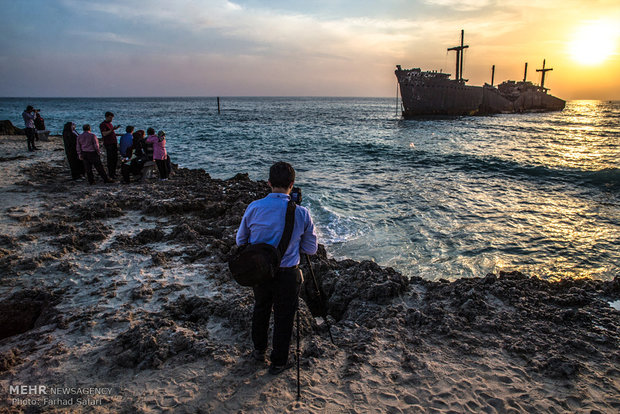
35	148
276	369
258	355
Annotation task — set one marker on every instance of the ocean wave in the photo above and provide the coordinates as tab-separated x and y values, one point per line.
332	227
608	178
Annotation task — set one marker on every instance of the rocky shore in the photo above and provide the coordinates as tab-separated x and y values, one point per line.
126	287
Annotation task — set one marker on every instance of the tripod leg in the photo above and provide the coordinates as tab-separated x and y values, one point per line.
319	292
298	356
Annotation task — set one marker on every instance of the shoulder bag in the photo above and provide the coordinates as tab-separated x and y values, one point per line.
254	264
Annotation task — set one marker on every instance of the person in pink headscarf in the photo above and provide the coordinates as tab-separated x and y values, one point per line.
160	155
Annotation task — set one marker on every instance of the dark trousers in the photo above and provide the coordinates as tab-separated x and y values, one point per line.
30	135
111	151
164	167
282	295
126	172
92	159
77	167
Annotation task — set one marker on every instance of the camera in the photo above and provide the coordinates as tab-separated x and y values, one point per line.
296	195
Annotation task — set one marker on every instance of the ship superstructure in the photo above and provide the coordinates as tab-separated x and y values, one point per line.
434	93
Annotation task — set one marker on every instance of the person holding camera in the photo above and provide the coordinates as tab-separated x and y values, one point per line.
29	117
264	222
109	142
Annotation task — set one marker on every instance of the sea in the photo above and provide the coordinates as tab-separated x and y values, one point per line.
439	198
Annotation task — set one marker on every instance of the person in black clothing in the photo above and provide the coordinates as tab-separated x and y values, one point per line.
131	165
69	138
39	122
139	144
110	143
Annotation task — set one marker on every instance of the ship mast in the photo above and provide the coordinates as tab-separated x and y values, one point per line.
459	56
525	73
543	70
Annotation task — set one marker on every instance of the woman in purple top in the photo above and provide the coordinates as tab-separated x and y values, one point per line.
160	155
87	148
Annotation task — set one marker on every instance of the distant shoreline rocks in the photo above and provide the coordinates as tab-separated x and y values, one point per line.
7	128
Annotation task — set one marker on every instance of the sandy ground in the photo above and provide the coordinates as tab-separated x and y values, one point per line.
117	297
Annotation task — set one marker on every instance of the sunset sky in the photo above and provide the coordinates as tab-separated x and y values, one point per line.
309	48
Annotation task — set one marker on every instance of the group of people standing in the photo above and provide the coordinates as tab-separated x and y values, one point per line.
135	150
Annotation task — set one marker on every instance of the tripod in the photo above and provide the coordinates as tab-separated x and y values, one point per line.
323	315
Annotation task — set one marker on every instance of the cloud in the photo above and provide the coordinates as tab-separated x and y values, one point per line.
263	31
461	5
107	37
323	45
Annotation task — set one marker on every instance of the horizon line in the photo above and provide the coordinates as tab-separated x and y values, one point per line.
242	96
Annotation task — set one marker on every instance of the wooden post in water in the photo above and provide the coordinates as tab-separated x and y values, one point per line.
218	104
492	74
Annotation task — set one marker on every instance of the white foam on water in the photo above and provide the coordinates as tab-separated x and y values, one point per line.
615	304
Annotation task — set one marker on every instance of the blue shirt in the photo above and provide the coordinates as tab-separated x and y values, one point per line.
126	142
263	222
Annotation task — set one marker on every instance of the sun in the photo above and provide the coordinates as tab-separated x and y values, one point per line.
594	43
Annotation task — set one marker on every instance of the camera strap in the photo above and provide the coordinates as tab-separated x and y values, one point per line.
288	228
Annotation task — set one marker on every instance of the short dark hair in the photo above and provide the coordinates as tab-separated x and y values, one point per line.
129	129
107	114
150	131
281	174
86	127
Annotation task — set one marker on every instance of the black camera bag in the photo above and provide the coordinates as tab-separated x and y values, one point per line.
254	264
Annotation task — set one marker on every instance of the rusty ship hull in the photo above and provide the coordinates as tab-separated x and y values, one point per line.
433	93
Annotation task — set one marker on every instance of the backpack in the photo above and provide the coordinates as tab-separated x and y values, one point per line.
254	264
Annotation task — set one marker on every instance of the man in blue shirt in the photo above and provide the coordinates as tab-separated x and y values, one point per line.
263	222
126	141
